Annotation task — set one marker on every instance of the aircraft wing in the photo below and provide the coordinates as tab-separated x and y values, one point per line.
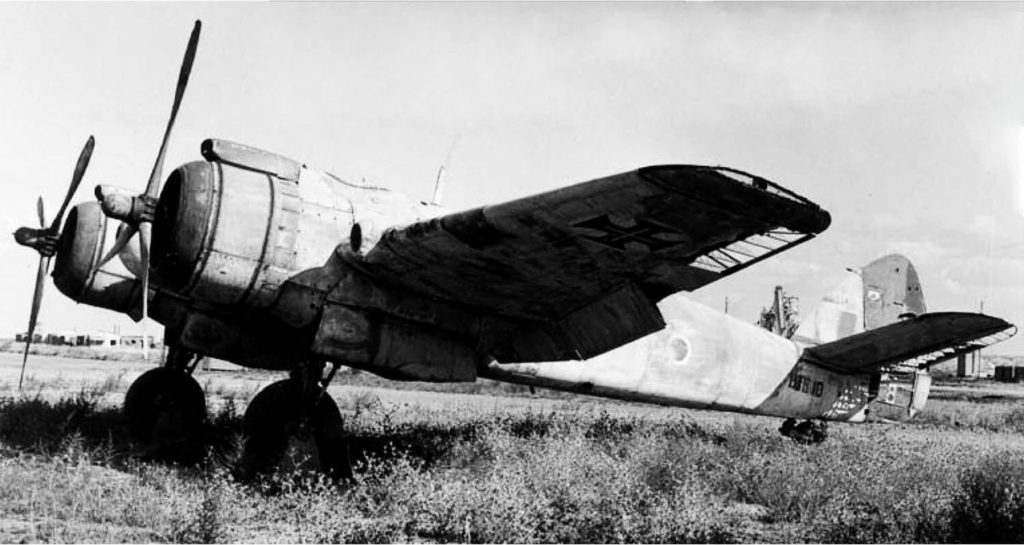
915	343
596	255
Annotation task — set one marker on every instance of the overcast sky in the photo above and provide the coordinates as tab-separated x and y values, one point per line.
902	120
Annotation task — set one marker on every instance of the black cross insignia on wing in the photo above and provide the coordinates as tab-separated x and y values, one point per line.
652	235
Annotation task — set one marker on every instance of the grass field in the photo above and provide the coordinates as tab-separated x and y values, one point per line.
472	467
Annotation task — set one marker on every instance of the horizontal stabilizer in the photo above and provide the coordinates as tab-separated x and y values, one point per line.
914	343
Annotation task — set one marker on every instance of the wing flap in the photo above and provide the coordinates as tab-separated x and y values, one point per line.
915	343
622	316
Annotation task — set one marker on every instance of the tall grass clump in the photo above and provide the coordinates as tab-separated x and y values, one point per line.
966	415
536	479
989	504
215	503
42	425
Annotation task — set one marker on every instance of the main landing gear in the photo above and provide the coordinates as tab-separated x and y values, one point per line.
165	407
290	424
807	432
295	424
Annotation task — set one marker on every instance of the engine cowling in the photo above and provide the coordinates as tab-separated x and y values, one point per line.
232	236
113	287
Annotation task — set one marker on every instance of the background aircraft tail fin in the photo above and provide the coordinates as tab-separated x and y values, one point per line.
873	296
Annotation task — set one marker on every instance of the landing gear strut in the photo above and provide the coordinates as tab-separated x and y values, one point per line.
806	432
165	407
294	423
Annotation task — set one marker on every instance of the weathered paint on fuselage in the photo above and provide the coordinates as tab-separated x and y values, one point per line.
704	359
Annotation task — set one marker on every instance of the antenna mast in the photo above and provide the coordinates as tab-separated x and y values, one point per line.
438	187
439	184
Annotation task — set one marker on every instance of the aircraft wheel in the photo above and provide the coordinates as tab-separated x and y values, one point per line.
280	435
164	407
807	432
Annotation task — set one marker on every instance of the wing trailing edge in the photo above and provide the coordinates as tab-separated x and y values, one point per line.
915	343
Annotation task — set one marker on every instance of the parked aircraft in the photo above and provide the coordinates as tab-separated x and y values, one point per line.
263	261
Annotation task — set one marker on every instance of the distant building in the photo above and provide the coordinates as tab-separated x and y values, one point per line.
135	341
60	338
57	338
969	364
22	337
98	338
1009	373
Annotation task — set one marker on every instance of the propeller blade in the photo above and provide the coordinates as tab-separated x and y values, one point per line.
39	210
153	187
123	237
37	298
76	179
145	236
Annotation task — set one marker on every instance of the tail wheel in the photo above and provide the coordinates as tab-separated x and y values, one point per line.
164	406
807	432
285	430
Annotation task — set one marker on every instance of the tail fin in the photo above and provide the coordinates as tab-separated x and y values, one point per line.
876	295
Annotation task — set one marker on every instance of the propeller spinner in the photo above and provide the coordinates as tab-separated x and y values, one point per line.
44	240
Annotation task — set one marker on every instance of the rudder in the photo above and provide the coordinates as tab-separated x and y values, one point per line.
891	290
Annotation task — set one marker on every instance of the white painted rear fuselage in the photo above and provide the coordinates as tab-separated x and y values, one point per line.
705	359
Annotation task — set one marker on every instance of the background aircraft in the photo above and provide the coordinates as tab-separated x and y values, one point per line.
260	260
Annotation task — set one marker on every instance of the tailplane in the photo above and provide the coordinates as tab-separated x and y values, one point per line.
898	355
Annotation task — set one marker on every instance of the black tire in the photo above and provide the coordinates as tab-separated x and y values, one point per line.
164	403
271	423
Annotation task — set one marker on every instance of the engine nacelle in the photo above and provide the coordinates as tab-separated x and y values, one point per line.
231	235
81	247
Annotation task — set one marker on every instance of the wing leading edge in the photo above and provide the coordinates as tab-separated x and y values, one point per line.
915	343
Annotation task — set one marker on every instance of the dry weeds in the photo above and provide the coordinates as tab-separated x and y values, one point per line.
580	472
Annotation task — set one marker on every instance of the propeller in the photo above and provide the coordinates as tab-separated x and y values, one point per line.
140	218
44	240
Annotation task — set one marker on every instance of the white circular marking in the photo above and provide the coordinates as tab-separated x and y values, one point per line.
680	349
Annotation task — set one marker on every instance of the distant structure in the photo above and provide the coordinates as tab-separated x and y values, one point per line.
135	341
99	339
969	364
1009	373
57	338
783	317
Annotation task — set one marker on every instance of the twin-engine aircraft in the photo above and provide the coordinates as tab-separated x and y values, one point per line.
260	260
